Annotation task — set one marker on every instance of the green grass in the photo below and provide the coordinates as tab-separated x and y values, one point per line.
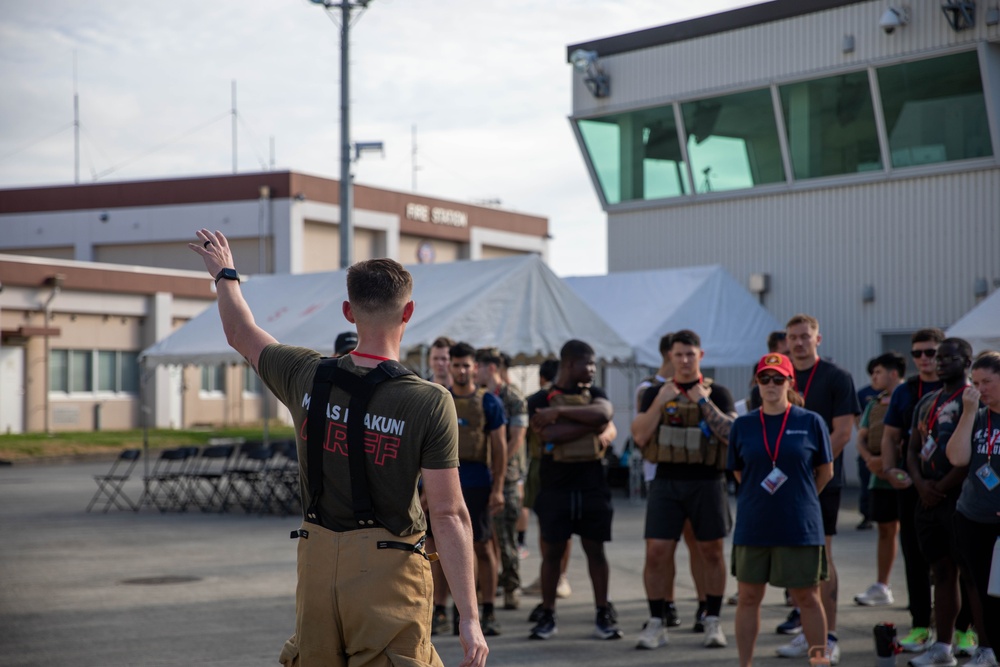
27	446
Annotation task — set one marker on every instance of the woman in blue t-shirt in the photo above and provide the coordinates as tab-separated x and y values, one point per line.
974	443
780	454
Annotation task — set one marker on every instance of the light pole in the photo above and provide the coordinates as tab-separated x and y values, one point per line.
346	187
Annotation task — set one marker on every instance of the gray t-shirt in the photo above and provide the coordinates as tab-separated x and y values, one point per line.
410	424
976	502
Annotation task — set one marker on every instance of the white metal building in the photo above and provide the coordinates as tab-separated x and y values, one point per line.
838	157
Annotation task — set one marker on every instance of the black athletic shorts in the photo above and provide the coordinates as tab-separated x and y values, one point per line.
477	499
936	530
671	501
585	513
829	505
883	507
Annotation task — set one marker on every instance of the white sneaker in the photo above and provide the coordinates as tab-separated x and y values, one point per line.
797	648
936	656
877	595
653	635
562	588
983	657
833	651
714	638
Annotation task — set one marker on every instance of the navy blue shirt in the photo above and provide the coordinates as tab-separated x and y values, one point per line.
791	516
473	474
976	502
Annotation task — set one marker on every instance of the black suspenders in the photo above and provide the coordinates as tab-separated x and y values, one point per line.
361	390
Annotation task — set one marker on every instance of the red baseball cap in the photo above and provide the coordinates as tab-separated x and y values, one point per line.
776	362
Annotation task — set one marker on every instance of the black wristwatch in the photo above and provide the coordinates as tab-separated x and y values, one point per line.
228	274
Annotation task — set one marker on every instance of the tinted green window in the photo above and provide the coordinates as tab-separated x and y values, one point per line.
935	111
636	155
251	383
59	370
107	370
831	126
129	362
732	141
81	375
213	378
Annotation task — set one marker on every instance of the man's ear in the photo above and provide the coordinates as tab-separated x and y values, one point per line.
348	313
407	311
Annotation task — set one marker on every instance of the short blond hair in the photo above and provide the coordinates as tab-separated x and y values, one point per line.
802	318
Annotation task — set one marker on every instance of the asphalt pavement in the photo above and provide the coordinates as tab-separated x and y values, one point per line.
150	588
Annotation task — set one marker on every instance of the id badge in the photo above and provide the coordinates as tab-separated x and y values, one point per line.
927	451
988	476
774	480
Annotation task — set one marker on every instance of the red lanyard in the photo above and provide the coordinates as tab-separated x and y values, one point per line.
777	443
684	391
934	415
370	356
805	392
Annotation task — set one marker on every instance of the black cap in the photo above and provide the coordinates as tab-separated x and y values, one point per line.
346	342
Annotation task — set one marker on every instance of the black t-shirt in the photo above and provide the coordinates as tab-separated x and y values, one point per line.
723	400
553	476
830	394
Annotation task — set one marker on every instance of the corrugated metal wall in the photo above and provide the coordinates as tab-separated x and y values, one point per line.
921	243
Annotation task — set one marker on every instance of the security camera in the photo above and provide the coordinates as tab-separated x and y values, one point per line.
892	19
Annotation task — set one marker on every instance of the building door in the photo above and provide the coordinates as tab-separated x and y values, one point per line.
11	389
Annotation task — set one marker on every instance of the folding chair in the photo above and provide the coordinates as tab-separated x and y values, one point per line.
166	484
277	490
243	476
109	485
207	478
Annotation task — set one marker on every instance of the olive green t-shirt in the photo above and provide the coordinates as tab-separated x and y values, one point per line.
410	424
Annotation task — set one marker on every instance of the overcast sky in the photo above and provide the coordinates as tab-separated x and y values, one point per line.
485	82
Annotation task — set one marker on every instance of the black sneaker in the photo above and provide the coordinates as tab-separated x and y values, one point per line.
604	625
536	613
612	611
490	626
671	620
546	626
699	621
792	626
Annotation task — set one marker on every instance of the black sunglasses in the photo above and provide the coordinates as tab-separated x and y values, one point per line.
768	379
916	354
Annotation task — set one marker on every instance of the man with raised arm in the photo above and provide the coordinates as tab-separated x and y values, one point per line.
360	548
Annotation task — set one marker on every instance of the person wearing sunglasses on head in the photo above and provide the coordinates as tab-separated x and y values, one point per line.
896	431
781	455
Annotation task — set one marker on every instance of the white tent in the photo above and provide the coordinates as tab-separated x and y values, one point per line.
981	325
516	304
644	305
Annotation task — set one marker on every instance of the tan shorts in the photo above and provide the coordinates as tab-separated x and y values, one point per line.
357	605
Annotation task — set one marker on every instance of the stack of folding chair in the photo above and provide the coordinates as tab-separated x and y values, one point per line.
166	484
207	478
110	485
278	488
245	476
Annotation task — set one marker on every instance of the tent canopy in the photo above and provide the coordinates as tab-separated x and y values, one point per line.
644	305
981	325
516	304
